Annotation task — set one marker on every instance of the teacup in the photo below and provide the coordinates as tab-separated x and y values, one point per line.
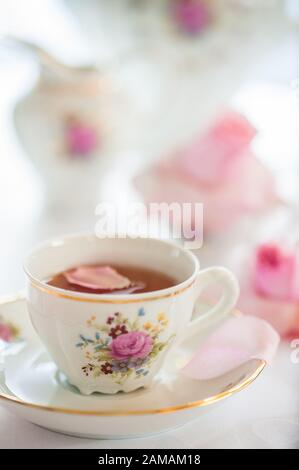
109	343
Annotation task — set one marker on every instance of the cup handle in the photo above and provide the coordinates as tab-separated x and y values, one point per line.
227	301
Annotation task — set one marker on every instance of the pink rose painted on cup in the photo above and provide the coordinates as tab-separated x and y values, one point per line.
5	332
136	345
120	348
191	16
81	138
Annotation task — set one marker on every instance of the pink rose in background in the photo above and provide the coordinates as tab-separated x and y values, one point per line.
5	332
275	272
81	139
270	286
192	16
218	170
135	345
220	152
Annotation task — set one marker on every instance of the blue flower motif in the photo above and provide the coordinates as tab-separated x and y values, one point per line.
136	363
97	335
141	312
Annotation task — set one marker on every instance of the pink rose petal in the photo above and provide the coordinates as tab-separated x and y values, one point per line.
97	277
237	341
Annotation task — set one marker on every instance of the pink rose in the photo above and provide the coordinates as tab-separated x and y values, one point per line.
217	169
5	332
270	288
81	139
276	272
251	191
192	16
219	154
136	345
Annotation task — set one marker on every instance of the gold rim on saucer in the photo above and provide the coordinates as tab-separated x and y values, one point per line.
171	409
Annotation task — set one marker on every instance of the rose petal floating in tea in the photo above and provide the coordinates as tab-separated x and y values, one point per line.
97	277
111	279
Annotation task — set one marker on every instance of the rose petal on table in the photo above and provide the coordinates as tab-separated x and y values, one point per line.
237	341
97	277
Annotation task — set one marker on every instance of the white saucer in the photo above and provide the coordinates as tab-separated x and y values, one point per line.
32	387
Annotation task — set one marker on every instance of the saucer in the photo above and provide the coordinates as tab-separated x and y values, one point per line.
33	388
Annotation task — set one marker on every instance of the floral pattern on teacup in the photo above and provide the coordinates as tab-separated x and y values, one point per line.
81	138
120	348
8	331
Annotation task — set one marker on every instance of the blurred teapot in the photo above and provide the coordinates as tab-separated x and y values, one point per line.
73	124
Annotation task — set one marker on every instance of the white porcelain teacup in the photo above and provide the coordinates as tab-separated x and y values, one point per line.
77	327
